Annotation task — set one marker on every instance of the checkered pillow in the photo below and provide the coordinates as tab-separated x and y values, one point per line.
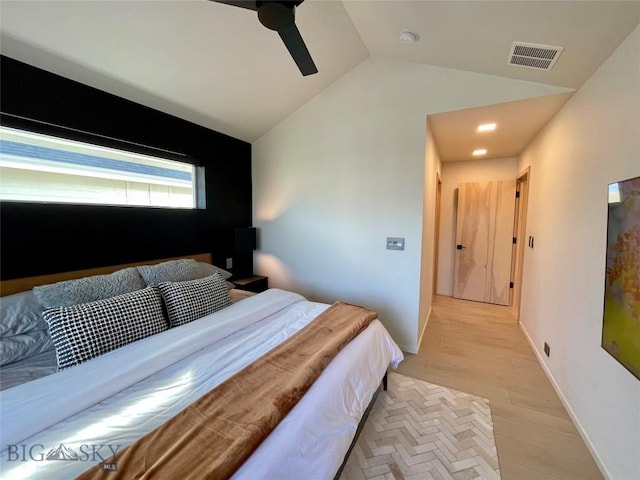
84	331
193	299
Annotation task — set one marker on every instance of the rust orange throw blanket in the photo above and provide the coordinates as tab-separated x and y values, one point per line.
213	436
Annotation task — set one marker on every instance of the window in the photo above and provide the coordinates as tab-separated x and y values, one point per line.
43	168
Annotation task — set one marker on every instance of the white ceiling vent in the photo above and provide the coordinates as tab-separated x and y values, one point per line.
533	55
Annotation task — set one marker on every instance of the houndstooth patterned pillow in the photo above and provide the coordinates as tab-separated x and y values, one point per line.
193	299
84	331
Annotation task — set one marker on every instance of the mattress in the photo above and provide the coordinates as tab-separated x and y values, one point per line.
114	399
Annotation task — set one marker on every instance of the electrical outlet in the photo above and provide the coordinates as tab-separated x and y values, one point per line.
395	243
229	263
547	350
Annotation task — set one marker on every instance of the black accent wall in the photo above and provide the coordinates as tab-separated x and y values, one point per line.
40	238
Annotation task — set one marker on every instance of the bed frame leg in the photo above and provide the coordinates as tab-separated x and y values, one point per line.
384	381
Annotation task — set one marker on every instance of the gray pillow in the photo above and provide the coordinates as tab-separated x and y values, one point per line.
206	270
20	313
89	289
82	332
170	271
24	345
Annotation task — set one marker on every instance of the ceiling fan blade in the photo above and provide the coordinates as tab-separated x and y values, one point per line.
279	15
254	4
248	4
298	50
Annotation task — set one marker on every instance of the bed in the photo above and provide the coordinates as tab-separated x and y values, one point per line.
83	418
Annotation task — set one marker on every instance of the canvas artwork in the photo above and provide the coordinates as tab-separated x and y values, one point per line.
621	324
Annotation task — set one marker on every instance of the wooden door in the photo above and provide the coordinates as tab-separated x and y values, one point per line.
484	241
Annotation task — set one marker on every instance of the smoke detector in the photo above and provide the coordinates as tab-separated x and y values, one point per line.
533	55
408	37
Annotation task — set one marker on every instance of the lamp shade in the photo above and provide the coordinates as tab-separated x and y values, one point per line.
245	239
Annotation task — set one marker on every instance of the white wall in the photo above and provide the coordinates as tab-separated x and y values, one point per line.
593	141
334	179
454	173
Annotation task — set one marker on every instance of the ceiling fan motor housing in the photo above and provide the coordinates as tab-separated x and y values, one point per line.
276	15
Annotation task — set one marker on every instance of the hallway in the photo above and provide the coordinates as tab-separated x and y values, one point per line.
479	349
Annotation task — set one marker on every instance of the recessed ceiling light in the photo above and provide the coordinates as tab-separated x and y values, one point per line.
408	37
479	151
487	127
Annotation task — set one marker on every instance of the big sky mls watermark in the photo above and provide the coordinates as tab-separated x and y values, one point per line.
104	455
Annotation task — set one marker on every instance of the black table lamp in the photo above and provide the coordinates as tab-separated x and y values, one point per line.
245	239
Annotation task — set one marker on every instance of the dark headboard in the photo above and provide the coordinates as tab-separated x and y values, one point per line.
8	287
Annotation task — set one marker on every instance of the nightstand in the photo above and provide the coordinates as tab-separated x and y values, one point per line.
255	283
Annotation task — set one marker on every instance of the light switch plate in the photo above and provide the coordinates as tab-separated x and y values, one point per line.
395	243
229	263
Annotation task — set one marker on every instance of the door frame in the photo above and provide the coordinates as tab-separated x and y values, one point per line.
436	228
519	232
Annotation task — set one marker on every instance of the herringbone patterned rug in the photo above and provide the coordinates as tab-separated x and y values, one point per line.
419	430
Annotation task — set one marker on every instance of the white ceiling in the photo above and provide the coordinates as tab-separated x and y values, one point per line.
216	65
456	133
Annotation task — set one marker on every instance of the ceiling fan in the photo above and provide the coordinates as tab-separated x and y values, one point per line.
279	15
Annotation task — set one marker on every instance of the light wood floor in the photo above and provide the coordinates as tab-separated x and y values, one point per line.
479	349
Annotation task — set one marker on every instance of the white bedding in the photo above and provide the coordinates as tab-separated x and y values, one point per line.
118	397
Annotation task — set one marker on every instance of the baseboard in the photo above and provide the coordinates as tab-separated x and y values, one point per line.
414	349
567	406
424	329
408	349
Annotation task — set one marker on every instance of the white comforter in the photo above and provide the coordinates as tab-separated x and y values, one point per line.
104	404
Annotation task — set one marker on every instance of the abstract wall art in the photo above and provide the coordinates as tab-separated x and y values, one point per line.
621	323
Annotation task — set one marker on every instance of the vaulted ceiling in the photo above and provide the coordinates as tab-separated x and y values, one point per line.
216	65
